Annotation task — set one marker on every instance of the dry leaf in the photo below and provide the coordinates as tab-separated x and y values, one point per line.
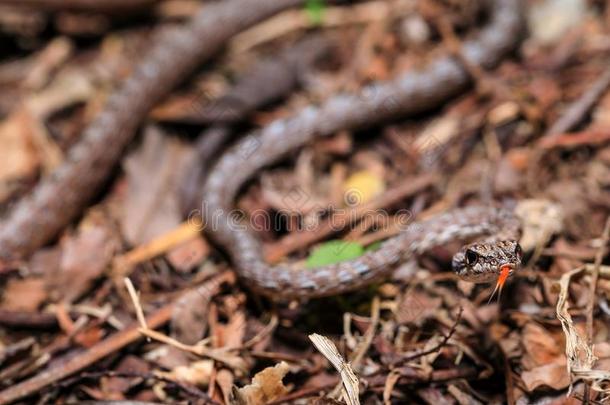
129	364
189	318
153	172
89	337
197	373
266	386
350	382
506	178
551	375
540	219
232	334
24	295
541	347
85	257
415	307
581	359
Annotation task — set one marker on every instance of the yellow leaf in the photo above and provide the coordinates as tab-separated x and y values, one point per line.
361	187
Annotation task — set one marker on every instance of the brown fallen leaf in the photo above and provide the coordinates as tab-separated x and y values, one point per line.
99	395
266	386
151	206
24	295
231	334
518	158
190	316
416	306
89	337
85	256
541	347
550	375
129	364
503	113
437	134
510	342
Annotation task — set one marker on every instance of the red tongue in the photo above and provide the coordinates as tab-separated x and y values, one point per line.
504	273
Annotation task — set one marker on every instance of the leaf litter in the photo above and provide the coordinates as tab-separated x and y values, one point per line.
538	140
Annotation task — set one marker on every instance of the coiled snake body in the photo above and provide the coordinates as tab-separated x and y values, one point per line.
59	198
496	256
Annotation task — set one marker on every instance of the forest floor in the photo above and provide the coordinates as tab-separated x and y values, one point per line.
132	303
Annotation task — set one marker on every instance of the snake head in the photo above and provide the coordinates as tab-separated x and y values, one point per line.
488	261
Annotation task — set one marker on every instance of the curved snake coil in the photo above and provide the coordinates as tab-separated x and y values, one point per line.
411	93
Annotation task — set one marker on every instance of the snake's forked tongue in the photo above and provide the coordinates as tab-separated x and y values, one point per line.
504	273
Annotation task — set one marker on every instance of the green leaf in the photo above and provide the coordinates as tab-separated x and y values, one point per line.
315	10
334	251
373	246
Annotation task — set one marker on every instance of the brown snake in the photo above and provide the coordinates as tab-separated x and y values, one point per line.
498	255
60	198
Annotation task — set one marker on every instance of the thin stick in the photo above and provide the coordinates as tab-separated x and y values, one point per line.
135	297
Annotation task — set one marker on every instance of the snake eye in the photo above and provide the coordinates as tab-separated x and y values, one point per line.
518	250
471	257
